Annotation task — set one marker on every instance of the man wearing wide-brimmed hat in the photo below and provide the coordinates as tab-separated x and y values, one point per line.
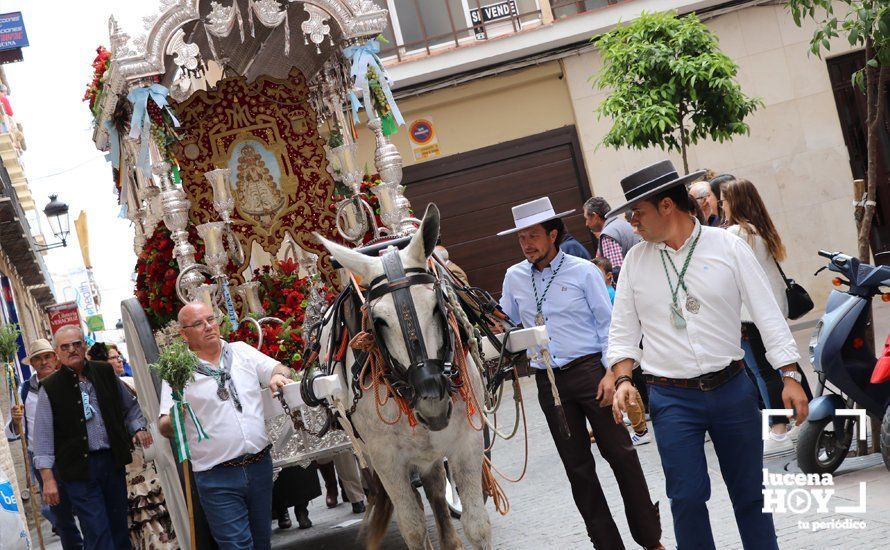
568	295
681	291
44	361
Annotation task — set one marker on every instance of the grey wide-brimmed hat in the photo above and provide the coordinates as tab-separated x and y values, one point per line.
41	345
532	213
650	181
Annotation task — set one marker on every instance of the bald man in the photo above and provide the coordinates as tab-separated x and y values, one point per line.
86	423
233	468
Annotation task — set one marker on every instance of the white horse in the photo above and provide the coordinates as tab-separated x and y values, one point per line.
443	429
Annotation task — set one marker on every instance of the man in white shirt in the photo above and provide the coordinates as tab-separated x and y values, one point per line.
682	291
233	468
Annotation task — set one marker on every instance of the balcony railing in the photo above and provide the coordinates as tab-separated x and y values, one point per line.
422	27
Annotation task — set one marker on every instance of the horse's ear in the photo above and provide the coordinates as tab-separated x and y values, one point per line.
424	241
353	261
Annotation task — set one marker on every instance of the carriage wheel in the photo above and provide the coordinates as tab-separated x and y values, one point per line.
452	497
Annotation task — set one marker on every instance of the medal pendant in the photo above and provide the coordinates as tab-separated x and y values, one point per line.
692	305
539	319
677	316
222	393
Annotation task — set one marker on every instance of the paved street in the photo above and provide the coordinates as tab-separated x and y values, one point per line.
542	512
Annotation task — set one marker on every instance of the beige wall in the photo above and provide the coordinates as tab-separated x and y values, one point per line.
484	112
795	154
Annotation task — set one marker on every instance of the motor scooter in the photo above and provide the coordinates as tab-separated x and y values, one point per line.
844	361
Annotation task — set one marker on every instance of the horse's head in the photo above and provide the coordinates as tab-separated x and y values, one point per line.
405	305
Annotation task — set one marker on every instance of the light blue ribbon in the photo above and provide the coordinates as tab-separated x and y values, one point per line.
230	306
363	56
140	122
114	145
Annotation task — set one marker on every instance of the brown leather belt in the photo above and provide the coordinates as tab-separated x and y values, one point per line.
705	382
246	459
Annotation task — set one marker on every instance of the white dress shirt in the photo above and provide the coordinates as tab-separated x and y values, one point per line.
232	433
770	268
722	275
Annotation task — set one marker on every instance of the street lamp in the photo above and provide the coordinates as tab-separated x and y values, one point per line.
57	214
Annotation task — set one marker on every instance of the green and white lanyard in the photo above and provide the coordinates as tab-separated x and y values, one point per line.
692	305
539	302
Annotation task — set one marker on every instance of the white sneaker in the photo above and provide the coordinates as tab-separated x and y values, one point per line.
777	445
627	421
793	432
641	439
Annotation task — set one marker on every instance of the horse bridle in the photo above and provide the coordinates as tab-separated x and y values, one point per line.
409	379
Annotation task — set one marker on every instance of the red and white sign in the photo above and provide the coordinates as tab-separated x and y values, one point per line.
422	135
63	314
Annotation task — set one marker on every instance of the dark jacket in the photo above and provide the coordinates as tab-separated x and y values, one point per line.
69	423
570	245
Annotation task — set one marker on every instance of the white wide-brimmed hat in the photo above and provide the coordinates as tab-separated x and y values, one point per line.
532	213
41	345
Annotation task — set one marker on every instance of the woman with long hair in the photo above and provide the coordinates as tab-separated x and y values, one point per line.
746	216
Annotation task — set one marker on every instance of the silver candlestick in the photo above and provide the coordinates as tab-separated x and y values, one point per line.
175	206
224	203
394	207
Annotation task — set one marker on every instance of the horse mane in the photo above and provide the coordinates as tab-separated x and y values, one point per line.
379	514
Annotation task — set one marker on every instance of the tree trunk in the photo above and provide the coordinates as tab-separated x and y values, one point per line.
874	89
683	138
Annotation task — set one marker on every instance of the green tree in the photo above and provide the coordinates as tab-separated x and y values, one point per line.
670	85
866	24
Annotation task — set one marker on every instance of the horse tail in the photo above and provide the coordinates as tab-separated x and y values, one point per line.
380	510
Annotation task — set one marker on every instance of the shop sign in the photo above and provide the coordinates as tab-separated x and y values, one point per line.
95	323
492	12
63	314
422	135
12	31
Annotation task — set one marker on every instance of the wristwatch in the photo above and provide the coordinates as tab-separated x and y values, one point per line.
792	374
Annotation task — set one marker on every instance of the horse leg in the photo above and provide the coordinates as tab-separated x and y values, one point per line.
406	503
434	487
466	467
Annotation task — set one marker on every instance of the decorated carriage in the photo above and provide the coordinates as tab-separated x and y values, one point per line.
232	131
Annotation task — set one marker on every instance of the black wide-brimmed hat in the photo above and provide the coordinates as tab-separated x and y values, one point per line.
650	181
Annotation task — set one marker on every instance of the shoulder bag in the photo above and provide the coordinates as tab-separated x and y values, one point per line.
799	301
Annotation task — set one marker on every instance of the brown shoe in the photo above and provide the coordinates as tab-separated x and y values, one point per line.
331	500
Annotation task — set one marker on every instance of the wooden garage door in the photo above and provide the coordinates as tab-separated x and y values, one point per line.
476	190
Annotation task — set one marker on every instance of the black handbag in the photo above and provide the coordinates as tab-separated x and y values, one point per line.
799	301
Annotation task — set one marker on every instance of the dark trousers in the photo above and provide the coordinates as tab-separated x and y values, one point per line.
730	415
100	504
769	381
237	501
61	516
577	390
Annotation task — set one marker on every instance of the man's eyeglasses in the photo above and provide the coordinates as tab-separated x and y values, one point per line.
210	321
115	359
702	198
72	346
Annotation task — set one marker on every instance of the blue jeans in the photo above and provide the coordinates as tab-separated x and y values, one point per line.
237	501
730	414
60	516
100	504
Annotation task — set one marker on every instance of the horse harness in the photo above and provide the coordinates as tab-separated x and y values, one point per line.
411	381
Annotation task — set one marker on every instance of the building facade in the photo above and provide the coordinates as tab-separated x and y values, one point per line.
513	117
25	284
